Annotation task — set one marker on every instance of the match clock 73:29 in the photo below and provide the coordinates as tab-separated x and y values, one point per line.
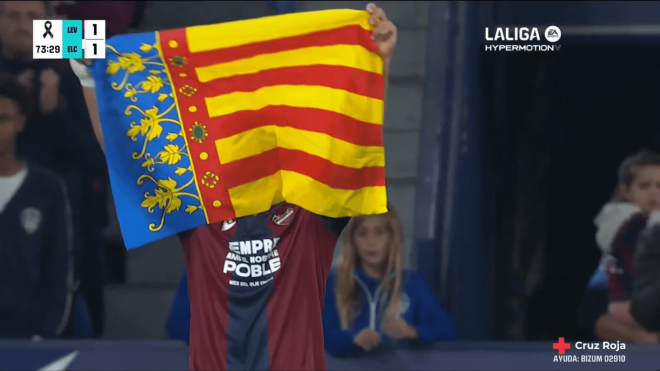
48	49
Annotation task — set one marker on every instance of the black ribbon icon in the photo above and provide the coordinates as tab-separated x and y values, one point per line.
48	26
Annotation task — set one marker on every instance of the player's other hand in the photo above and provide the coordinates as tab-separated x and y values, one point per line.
86	62
367	340
81	70
385	33
397	328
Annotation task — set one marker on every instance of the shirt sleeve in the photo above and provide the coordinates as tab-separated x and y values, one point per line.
338	342
57	271
335	225
433	322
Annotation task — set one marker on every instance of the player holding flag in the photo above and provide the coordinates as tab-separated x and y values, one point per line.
260	316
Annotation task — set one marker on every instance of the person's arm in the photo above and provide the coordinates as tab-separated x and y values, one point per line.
57	275
433	322
385	35
90	100
77	113
621	311
87	81
64	120
610	328
178	322
593	316
335	225
386	83
645	306
338	342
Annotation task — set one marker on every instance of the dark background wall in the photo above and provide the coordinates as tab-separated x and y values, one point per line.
522	151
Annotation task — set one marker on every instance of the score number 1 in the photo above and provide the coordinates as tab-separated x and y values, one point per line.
95	39
95	34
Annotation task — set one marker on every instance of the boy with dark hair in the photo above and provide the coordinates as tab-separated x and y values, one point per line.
36	268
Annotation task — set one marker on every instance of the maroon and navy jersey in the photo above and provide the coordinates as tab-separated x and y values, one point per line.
256	288
622	268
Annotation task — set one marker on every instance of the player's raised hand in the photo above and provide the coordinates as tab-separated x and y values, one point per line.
86	62
384	34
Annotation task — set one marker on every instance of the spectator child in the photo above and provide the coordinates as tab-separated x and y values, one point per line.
620	222
36	263
371	298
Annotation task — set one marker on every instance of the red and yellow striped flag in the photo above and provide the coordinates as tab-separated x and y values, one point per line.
285	108
293	109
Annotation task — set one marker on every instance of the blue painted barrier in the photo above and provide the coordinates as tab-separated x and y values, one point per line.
154	355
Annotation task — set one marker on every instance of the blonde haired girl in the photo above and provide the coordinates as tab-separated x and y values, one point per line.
371	299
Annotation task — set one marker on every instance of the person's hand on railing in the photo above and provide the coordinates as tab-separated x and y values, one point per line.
367	340
397	328
643	336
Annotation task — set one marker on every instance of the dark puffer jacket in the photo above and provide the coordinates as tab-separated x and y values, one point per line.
646	293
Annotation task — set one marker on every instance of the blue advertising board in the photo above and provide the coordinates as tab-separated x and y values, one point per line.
154	355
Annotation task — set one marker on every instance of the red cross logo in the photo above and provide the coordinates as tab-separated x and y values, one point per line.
561	346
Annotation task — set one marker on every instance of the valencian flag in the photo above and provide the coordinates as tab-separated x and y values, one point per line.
210	123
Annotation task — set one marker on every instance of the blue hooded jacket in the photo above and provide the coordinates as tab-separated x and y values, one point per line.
419	308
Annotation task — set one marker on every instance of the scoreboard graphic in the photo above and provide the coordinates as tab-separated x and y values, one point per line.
68	39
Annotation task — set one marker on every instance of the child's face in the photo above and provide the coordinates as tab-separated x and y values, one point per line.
645	189
372	241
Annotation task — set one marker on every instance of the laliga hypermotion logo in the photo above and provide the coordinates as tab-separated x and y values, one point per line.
522	39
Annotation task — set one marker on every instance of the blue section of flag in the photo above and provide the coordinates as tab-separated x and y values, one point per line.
150	170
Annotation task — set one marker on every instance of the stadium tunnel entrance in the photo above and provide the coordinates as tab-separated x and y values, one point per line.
558	124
